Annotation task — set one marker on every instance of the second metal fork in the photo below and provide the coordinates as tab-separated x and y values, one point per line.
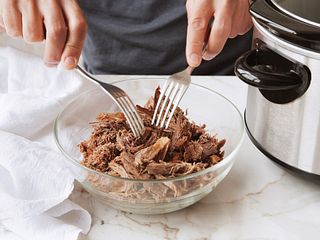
173	90
171	94
122	100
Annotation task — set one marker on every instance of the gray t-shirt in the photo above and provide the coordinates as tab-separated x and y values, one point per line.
146	37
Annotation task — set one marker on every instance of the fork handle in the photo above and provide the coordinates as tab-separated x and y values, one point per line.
189	69
88	75
85	73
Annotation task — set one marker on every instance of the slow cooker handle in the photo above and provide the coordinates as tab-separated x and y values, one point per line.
279	79
266	70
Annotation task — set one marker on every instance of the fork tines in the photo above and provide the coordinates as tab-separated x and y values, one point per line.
168	101
131	114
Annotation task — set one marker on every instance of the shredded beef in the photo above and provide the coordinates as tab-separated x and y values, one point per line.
181	149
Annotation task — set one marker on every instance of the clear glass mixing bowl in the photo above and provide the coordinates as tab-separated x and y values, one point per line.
150	196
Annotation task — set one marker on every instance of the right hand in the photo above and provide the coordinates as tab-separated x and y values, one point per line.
59	22
231	18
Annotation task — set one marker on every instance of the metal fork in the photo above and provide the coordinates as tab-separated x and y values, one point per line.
173	90
171	93
122	100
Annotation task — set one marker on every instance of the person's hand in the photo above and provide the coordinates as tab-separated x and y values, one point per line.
231	18
60	22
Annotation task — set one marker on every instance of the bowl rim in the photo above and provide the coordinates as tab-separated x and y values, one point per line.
220	164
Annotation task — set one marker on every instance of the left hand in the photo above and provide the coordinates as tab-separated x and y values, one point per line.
231	18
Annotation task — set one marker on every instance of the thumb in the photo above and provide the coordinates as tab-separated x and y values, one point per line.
199	14
77	30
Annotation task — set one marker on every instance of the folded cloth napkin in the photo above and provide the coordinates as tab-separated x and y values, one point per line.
35	181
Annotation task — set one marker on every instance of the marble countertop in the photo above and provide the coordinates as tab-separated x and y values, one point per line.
257	200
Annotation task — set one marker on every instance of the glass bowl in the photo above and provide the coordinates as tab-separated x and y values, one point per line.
150	196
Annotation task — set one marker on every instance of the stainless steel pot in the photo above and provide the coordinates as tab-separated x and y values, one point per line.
283	72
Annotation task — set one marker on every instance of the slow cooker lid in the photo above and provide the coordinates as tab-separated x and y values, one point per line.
303	10
296	21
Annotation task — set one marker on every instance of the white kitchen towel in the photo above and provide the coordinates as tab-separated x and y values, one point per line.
34	179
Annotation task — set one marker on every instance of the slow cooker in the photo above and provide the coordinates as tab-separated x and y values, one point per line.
282	70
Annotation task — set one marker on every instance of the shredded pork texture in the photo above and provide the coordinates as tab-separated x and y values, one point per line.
182	149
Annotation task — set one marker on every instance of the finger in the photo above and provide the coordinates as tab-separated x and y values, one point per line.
220	31
2	29
12	19
242	24
32	22
77	30
247	24
56	33
237	19
199	14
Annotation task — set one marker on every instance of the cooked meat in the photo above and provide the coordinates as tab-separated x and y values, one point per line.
182	149
155	152
167	169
